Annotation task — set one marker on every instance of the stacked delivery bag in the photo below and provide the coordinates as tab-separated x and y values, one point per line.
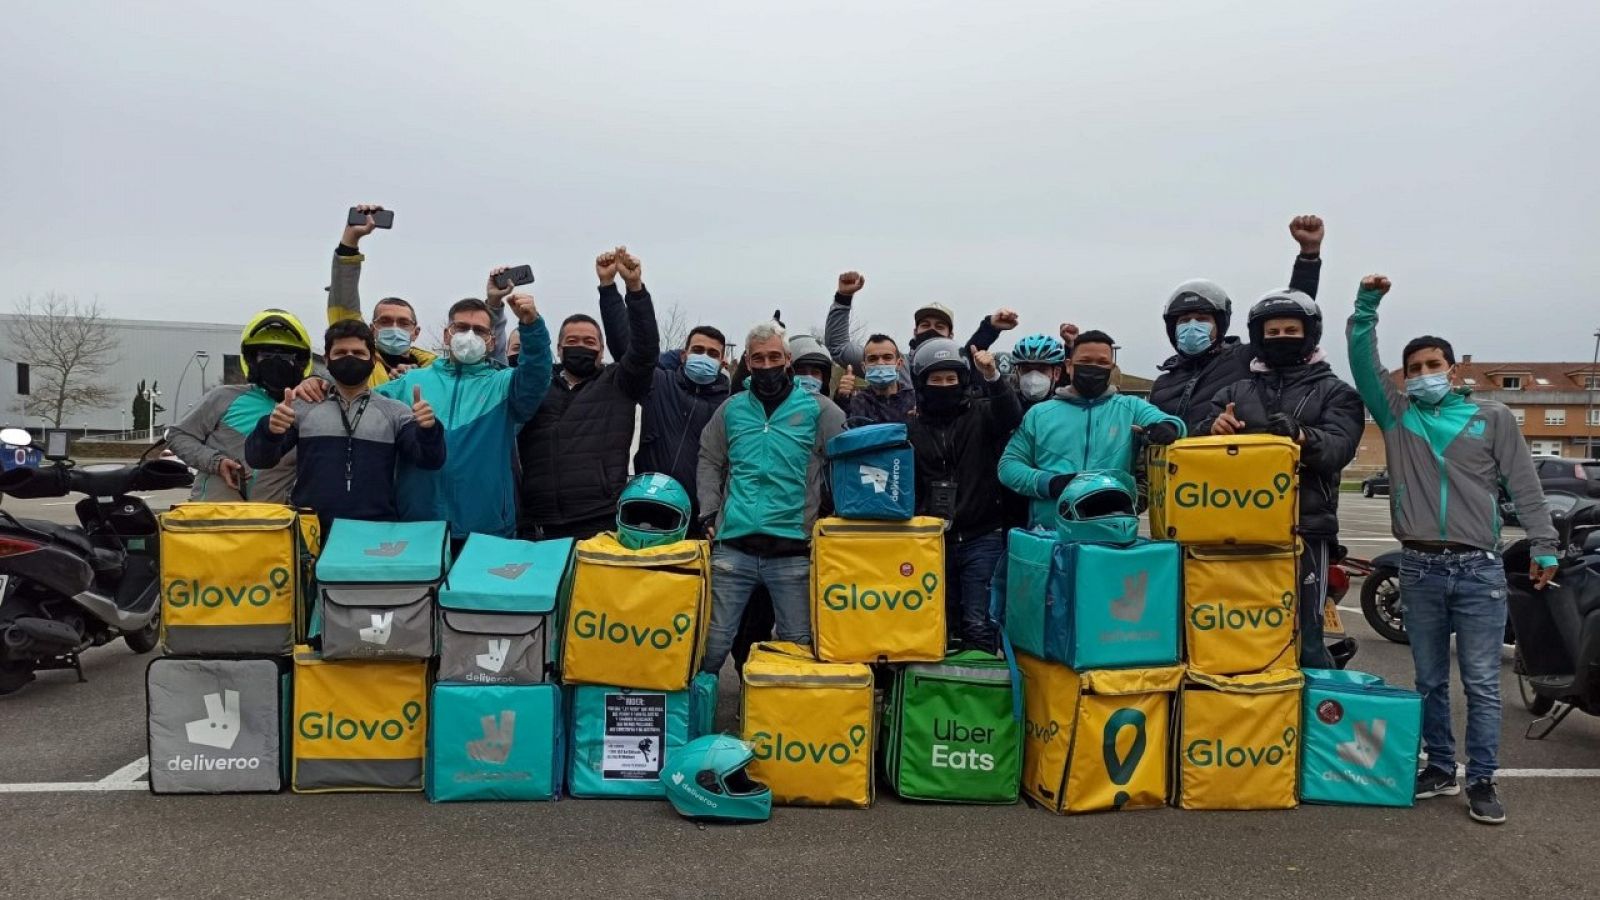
235	578
497	729
811	726
631	645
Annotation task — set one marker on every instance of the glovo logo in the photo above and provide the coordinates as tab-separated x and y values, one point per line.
783	748
855	598
1190	495
190	592
1222	617
1215	752
1043	732
1119	766
328	725
589	626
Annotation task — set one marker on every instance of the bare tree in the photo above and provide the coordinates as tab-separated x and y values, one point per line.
69	349
674	326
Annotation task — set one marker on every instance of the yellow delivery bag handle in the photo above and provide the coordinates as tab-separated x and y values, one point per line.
1225	489
1239	744
1239	608
811	726
637	618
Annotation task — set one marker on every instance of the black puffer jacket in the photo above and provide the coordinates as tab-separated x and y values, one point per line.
574	452
675	413
1186	384
1329	412
966	449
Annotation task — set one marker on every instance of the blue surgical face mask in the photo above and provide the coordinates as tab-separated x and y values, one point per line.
700	368
811	384
1194	337
1428	388
393	341
880	376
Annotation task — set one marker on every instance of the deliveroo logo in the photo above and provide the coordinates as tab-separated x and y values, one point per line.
498	735
1367	746
1130	606
854	598
783	748
1190	495
387	549
493	659
589	626
876	477
510	571
1214	752
220	727
190	592
378	632
1120	767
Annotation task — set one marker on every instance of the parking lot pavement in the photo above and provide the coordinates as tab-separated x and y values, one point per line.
67	841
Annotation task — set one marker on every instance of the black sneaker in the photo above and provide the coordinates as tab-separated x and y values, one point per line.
1483	802
1433	781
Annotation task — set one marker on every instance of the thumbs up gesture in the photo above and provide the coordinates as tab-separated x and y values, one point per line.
1228	422
420	408
282	414
983	360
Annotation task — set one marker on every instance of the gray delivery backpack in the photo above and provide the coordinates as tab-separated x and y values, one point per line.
216	726
376	587
496	609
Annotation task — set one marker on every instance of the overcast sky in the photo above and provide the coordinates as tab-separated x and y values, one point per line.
1073	160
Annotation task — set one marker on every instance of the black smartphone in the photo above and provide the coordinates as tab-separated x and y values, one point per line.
383	218
514	275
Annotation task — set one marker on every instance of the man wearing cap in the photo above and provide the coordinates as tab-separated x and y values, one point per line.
931	320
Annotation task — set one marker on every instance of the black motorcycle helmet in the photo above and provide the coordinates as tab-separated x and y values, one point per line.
1198	295
1287	304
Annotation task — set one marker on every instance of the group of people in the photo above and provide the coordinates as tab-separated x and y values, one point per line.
500	434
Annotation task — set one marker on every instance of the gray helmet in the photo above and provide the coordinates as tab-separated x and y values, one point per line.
1198	295
935	354
806	349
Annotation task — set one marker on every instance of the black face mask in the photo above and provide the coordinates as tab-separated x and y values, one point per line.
1279	353
1090	381
275	372
350	371
771	382
919	337
943	401
580	361
511	359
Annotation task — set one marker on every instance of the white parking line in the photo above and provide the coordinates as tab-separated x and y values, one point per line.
129	773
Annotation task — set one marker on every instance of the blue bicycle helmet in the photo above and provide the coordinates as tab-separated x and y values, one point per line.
1039	348
706	779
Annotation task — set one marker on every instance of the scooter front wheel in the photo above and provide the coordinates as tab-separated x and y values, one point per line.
145	639
1532	700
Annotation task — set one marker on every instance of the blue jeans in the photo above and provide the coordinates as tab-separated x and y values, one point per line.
969	566
734	576
1464	593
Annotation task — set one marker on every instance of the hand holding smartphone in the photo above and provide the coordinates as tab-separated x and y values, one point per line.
514	275
381	218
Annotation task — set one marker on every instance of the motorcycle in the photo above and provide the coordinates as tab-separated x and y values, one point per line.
1558	628
67	588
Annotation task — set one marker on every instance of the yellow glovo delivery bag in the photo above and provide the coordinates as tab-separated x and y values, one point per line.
877	590
811	726
359	724
232	577
1225	489
1239	740
636	618
1239	608
1096	740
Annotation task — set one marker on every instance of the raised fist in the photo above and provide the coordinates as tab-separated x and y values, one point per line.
605	267
631	270
1307	232
1069	335
522	307
1004	319
850	282
1379	283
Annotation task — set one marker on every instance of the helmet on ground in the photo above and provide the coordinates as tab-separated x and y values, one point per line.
1098	507
937	354
653	511
1287	304
1202	296
275	333
706	779
807	350
1039	348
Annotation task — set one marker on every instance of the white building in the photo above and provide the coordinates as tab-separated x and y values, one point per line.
182	359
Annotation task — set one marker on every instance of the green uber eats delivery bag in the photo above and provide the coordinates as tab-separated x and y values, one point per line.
952	733
620	736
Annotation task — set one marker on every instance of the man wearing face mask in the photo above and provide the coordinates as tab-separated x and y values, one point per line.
930	321
689	385
762	468
882	400
394	322
957	439
1084	426
1292	392
480	405
1197	316
1448	454
813	368
347	445
1037	361
275	353
575	451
